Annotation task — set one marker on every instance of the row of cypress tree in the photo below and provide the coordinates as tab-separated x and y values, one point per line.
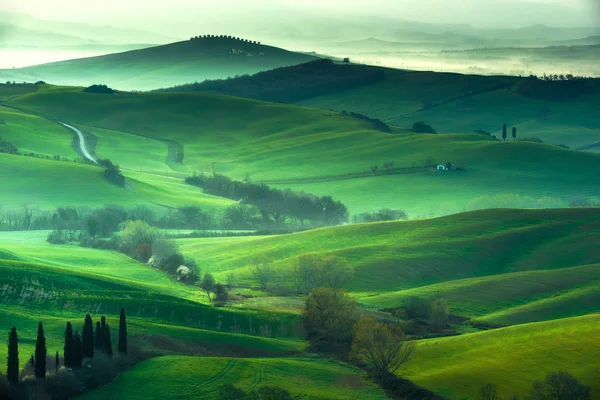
76	347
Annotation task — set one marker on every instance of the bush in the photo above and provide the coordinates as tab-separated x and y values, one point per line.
422	127
273	393
530	139
231	392
56	237
63	384
99	89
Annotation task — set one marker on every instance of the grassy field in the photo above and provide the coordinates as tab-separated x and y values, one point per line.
512	358
304	378
49	184
316	151
161	66
34	134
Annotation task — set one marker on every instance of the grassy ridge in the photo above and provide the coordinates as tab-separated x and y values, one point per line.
511	357
512	298
304	378
394	256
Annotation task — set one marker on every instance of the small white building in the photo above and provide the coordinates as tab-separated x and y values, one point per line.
442	168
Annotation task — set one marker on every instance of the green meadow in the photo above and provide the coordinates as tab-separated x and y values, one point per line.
512	358
305	378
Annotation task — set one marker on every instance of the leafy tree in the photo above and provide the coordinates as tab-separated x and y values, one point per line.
488	392
329	316
221	292
381	346
504	132
87	337
40	353
135	233
560	386
122	333
346	60
68	349
12	360
514	132
208	284
99	89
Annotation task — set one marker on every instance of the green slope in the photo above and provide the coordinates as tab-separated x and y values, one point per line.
391	256
169	378
50	184
512	358
161	66
286	145
512	298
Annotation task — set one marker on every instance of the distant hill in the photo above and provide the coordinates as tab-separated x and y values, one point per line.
162	66
450	102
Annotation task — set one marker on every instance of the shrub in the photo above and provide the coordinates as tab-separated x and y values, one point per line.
63	384
422	127
231	392
99	89
56	237
144	252
273	393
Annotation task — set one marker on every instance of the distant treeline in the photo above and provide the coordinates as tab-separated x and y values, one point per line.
273	204
558	87
290	84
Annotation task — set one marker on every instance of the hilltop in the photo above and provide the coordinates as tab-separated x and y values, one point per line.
197	59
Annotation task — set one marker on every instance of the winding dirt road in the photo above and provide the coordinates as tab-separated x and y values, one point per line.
81	141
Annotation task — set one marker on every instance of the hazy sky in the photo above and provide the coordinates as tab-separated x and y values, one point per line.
148	13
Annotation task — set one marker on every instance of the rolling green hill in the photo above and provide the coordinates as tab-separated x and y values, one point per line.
499	266
456	102
304	378
161	66
312	150
512	358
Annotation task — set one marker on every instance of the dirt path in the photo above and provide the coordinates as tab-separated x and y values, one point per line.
81	142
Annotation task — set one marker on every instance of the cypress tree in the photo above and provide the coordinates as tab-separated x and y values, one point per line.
514	132
32	361
107	341
87	337
103	338
12	365
40	353
68	349
77	351
98	343
56	362
122	333
504	132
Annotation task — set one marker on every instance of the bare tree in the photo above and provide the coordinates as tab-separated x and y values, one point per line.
488	392
560	386
388	165
374	168
438	315
263	272
382	346
336	272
